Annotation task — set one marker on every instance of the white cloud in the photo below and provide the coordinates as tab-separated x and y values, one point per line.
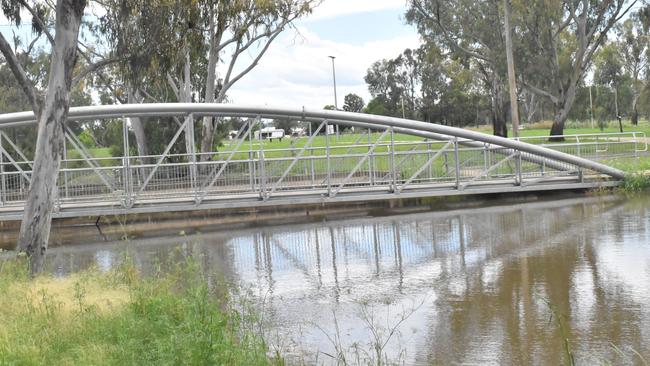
334	8
299	73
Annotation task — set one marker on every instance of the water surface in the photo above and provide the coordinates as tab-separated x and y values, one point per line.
492	285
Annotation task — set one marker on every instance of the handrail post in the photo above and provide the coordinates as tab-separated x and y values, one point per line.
457	162
327	154
3	183
519	179
65	169
262	166
430	169
371	160
311	160
192	152
393	169
252	171
126	164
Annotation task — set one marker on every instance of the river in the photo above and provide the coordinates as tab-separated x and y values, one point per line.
491	285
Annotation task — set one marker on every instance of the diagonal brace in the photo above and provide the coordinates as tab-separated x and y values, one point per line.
15	164
363	160
489	170
180	130
16	148
86	156
295	159
424	166
207	185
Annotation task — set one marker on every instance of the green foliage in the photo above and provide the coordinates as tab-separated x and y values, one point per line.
353	103
119	318
636	182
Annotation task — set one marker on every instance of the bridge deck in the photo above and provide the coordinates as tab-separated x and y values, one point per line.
14	211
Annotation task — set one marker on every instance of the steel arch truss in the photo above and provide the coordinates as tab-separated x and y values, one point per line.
384	158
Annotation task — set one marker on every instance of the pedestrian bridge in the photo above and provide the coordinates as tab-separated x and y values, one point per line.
368	158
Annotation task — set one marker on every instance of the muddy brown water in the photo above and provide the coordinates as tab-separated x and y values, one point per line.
492	285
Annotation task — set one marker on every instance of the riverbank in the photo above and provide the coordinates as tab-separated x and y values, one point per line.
121	318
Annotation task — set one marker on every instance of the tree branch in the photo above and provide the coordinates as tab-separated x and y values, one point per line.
228	83
94	67
38	20
445	33
20	75
541	92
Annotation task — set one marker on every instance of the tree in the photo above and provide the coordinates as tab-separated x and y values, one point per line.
51	113
634	47
353	103
376	106
609	71
196	47
560	38
394	82
471	30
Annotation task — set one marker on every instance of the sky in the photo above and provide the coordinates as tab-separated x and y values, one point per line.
296	70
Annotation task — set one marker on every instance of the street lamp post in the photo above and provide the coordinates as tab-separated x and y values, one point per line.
336	104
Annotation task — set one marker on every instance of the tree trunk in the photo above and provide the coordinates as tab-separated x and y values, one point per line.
138	127
35	227
557	129
207	132
512	84
635	112
187	98
499	126
562	108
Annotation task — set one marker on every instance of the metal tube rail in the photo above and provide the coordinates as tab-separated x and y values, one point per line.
348	118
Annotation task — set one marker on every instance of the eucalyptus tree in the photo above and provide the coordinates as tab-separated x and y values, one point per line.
633	45
609	71
353	103
560	38
471	30
199	48
50	102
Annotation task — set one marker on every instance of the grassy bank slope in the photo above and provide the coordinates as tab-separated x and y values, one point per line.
119	318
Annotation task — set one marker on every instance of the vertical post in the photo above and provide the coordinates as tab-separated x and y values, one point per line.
3	183
336	103
65	169
591	108
126	164
251	164
262	167
192	152
485	157
327	154
446	163
371	160
457	162
393	169
429	158
311	159
518	169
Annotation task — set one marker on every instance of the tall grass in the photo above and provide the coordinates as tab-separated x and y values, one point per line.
121	318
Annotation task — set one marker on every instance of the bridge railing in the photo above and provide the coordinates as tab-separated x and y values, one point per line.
597	146
383	164
386	156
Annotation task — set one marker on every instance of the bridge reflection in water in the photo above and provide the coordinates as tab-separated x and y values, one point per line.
481	284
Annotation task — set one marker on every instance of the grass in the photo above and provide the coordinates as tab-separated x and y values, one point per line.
119	318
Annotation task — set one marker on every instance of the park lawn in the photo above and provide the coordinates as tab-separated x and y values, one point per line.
103	154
